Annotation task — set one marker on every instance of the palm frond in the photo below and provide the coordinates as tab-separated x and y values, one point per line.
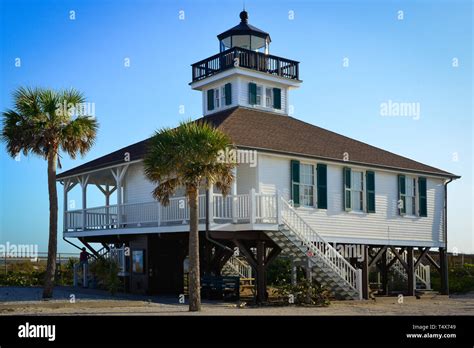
27	101
36	126
189	154
78	136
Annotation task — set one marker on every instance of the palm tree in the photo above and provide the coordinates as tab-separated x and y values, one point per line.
43	122
187	156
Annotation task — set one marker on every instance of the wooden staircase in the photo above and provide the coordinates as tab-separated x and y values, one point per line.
305	246
422	272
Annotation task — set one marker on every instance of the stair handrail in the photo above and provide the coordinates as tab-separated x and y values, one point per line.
422	272
243	269
329	254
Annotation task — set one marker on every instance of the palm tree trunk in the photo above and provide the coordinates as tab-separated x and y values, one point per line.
53	226
194	274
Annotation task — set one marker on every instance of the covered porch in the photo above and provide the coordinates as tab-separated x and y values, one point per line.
238	210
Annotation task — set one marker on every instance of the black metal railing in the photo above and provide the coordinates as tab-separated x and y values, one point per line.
241	57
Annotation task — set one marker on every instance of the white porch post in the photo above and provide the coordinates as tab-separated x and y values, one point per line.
210	203
233	193
253	206
107	204
83	180
107	193
278	207
159	212
119	174
68	185
65	187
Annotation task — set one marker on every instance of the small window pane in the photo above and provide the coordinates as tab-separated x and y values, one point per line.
357	191
223	96
307	185
259	95
269	97
216	97
410	200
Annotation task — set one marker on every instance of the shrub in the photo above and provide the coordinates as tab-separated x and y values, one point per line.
303	293
13	278
105	271
461	279
279	272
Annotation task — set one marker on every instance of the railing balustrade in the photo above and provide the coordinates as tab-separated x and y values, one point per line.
241	57
422	272
315	244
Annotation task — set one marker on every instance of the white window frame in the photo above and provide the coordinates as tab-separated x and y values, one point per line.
302	185
269	97
412	195
259	97
222	88
360	193
264	99
217	98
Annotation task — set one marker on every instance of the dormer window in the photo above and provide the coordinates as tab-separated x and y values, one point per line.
260	95
268	97
219	97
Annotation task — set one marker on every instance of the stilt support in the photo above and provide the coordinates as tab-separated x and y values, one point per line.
365	272
443	268
410	272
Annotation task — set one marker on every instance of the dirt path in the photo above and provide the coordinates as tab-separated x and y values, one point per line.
26	301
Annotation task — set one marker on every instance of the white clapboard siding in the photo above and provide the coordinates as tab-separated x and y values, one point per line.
385	224
244	94
246	178
220	83
137	187
240	94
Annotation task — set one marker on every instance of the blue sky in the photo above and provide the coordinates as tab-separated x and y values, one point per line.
409	60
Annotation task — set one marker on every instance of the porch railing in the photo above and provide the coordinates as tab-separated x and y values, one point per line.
241	57
241	208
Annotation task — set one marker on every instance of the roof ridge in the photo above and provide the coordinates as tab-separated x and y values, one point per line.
362	142
255	128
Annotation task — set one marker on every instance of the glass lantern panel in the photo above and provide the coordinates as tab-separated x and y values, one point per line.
241	41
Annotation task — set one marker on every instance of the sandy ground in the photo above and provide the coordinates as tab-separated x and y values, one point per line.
27	301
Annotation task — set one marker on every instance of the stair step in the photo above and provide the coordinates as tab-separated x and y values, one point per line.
294	247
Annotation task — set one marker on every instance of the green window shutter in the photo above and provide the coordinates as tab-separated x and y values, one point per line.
252	93
423	210
322	182
210	99
228	93
370	191
402	194
277	98
295	182
347	189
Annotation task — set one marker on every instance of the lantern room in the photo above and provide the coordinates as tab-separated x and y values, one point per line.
245	36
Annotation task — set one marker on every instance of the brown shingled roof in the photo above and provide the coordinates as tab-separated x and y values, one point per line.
267	131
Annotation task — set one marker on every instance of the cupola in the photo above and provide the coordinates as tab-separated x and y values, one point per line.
245	36
244	73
